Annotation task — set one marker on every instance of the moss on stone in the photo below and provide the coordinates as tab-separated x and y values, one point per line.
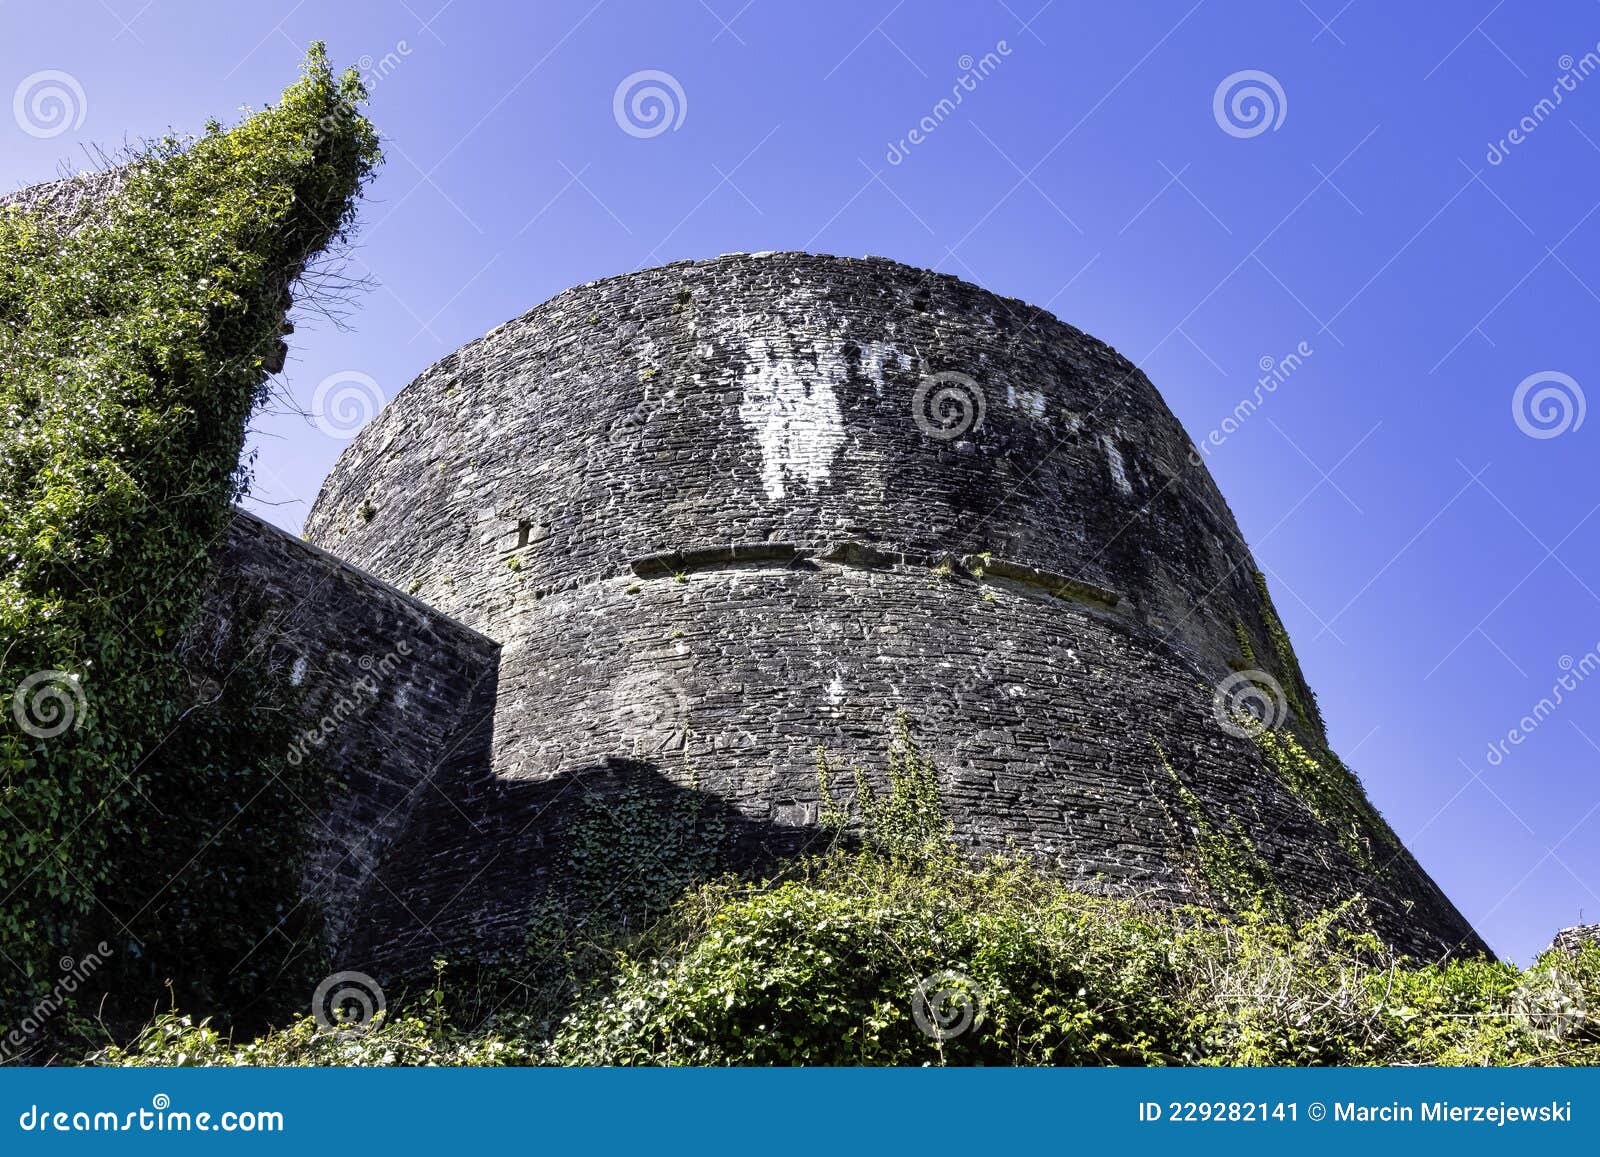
1295	688
1247	652
1332	794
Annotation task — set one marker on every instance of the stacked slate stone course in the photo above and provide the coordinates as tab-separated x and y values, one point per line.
719	514
580	606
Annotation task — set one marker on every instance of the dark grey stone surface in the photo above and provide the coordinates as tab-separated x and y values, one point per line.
715	514
1572	940
390	692
718	513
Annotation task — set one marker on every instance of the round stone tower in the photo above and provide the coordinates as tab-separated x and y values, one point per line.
718	514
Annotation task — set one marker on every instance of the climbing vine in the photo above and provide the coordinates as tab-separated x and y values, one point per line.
1302	701
1233	870
134	345
1332	794
908	820
629	856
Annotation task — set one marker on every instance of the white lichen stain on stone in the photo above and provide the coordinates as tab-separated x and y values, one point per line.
836	690
794	415
297	674
1119	473
875	355
1030	401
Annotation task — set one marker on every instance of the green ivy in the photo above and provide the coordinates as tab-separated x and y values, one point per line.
908	820
1302	701
133	350
1233	870
824	969
631	854
904	953
1333	795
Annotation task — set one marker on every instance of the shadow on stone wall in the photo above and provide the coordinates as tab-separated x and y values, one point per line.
516	869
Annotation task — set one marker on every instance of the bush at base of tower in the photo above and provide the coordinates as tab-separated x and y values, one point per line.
879	960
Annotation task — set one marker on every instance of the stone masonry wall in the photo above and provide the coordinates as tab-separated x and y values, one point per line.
391	692
719	513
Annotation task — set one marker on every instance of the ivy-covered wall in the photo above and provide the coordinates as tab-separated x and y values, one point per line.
140	313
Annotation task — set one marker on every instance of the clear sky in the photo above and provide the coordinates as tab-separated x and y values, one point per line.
1436	559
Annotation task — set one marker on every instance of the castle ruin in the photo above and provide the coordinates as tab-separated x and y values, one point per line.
647	548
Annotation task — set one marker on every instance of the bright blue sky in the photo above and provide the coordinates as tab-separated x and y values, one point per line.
1435	564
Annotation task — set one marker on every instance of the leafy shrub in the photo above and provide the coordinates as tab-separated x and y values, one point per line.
134	346
826	969
901	953
871	962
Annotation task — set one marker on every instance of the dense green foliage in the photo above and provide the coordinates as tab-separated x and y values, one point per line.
825	968
896	951
133	343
